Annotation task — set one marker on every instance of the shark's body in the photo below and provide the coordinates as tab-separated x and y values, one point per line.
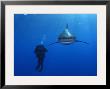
66	37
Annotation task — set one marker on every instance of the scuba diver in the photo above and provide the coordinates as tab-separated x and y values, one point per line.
40	51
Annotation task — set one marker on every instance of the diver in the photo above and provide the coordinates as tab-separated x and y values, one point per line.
40	51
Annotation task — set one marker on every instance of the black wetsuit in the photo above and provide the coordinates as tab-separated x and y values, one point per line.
40	51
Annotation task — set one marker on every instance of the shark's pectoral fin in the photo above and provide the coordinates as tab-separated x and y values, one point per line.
81	41
53	43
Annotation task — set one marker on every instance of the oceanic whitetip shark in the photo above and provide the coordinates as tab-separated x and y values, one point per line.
67	38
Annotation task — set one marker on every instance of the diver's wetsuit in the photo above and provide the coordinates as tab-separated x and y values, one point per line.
40	54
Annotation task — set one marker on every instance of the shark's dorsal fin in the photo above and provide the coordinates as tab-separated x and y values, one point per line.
43	39
66	26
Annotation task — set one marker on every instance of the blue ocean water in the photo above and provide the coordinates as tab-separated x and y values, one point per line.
77	59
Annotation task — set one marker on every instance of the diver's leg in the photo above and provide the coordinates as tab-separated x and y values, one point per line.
41	65
38	65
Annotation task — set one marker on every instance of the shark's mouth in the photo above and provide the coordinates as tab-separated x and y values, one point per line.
66	40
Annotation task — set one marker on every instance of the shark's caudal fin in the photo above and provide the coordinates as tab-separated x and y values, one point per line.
81	41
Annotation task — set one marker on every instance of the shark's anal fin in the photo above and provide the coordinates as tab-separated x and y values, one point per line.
81	41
